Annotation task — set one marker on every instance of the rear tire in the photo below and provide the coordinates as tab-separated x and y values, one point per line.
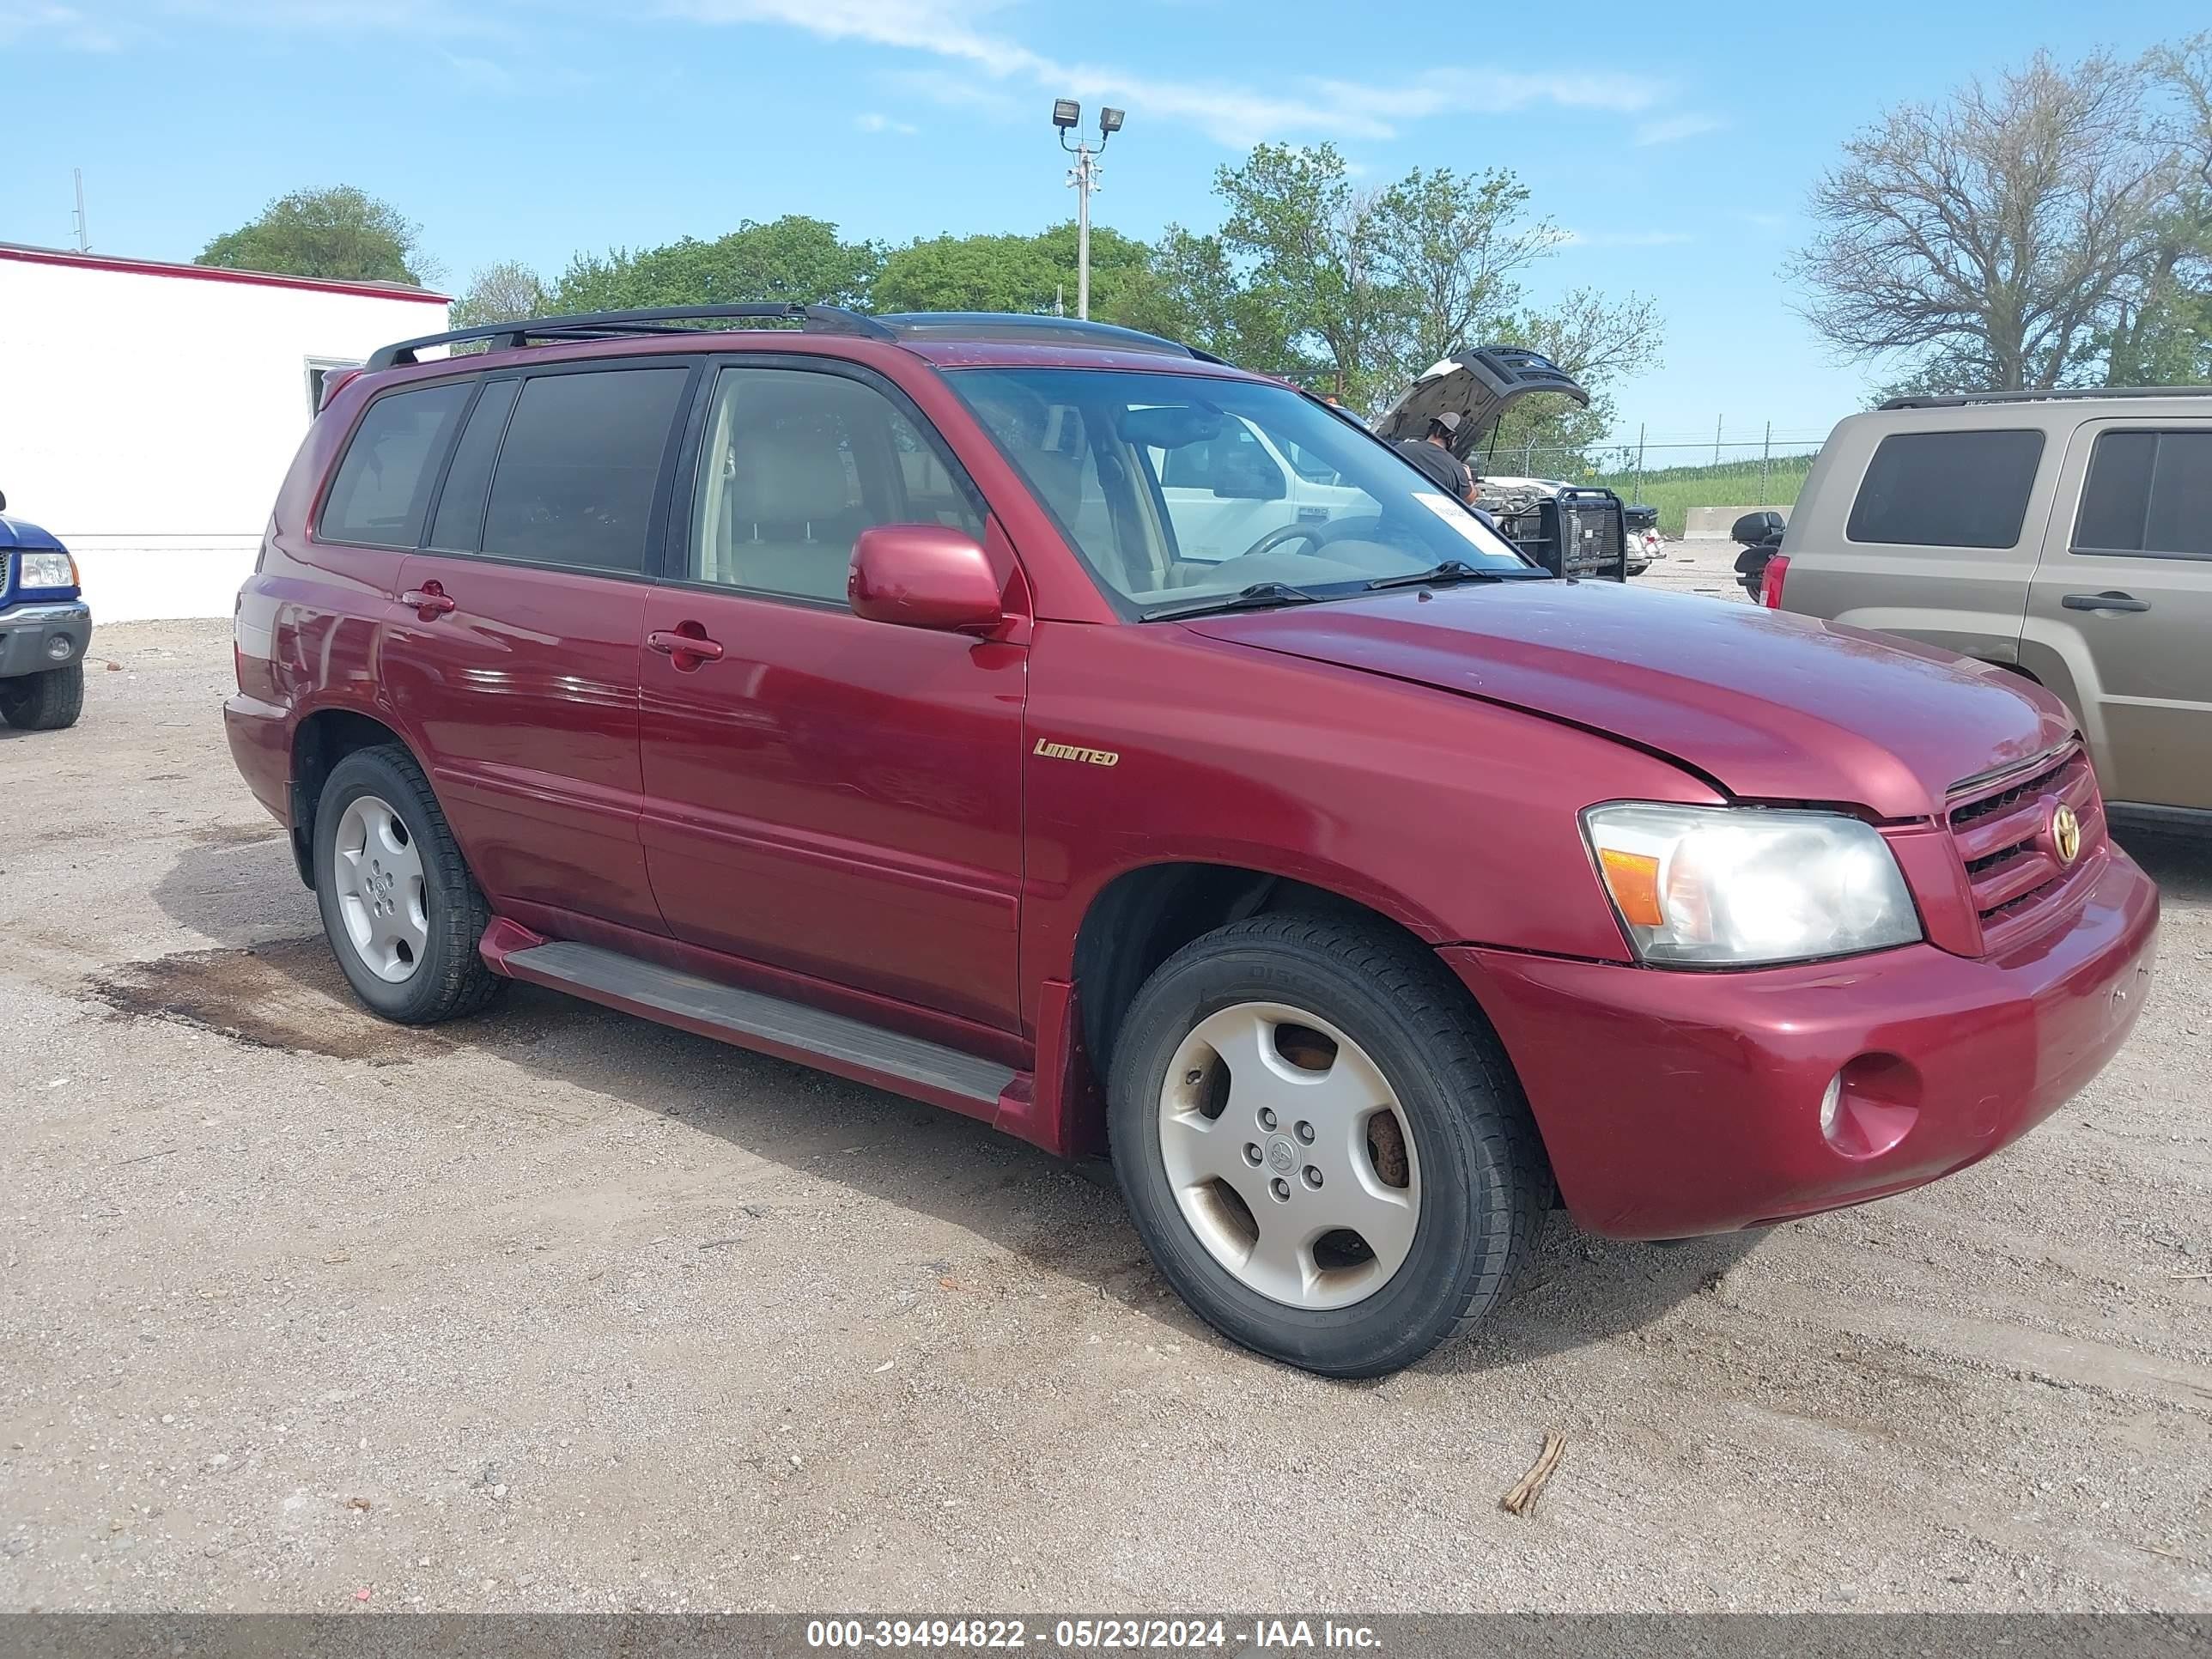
401	912
1345	1011
47	701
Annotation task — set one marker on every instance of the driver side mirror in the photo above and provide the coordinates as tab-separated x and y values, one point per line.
923	575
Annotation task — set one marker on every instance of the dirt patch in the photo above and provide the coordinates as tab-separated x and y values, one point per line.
286	994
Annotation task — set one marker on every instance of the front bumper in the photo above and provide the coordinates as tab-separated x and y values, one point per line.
1675	1103
27	631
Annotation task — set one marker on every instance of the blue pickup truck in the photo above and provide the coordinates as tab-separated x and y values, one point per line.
45	626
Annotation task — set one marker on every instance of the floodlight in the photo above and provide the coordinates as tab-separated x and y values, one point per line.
1066	111
1109	120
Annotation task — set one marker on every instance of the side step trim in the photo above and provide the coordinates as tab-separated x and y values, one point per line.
851	1047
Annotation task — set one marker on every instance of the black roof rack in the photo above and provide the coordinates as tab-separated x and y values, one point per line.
617	325
1960	399
992	325
1017	328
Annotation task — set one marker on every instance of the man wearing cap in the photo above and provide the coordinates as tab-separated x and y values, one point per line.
1432	455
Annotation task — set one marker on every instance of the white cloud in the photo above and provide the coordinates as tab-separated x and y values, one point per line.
1625	239
1233	112
64	25
1672	128
1764	220
873	121
962	52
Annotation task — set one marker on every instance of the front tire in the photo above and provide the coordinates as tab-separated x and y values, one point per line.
47	701
402	914
1400	1186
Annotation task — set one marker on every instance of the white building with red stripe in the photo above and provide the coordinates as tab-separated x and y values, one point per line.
149	410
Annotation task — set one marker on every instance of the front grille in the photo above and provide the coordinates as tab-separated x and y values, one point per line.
2003	830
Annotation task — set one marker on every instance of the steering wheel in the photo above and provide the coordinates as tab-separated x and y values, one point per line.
1281	533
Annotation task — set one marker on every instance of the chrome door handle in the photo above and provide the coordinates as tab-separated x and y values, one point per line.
680	645
2104	602
429	601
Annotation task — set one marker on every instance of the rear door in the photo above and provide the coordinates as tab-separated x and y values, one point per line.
515	656
825	795
2119	617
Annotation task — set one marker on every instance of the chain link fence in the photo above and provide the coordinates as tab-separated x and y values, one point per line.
1674	472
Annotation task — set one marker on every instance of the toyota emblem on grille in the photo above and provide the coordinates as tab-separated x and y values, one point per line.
2066	834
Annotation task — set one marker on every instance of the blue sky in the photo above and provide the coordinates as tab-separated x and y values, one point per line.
1677	143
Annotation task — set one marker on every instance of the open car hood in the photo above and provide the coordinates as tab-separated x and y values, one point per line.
1478	386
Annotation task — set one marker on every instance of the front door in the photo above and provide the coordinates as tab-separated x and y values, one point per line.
828	796
2120	616
515	653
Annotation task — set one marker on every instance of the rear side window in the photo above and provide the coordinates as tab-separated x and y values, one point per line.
459	519
576	476
1947	488
2148	492
383	486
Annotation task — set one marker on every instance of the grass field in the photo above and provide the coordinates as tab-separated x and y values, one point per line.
1676	489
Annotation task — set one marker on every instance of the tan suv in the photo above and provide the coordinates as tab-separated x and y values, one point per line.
2065	535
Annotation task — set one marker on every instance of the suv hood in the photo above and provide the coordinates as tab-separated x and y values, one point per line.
1478	386
1769	705
23	533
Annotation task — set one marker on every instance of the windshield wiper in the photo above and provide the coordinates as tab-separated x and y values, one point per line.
1452	570
1260	596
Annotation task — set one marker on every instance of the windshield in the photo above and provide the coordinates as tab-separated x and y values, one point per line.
1177	489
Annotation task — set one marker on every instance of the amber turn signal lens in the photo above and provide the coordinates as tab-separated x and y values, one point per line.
1633	880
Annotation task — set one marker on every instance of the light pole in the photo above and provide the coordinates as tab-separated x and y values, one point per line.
1084	176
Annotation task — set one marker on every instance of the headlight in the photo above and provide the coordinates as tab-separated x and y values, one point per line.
1728	886
44	570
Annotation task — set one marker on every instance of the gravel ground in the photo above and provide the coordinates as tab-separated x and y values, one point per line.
556	1310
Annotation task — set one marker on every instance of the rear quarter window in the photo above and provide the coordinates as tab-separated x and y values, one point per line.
383	485
2148	493
1947	488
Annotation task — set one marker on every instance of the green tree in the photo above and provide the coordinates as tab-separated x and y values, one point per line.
1454	245
1030	274
1192	290
1314	247
2162	332
502	293
340	231
793	258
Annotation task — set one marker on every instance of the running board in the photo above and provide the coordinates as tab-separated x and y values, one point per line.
791	1030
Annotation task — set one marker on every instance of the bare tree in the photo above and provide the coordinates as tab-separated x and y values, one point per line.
1992	237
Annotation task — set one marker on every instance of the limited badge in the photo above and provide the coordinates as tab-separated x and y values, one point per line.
2066	834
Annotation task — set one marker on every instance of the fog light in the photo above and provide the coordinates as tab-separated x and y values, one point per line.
60	648
1870	1105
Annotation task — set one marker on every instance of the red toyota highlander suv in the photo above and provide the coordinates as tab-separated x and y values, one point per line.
1058	725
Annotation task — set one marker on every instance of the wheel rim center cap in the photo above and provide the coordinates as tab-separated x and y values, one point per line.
1282	1157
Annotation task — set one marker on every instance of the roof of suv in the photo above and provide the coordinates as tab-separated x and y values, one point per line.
942	338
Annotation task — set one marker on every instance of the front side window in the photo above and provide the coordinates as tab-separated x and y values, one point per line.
2148	492
795	465
1178	489
383	485
1946	490
577	470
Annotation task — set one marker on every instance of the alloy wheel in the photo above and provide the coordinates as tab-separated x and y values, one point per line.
1286	1150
